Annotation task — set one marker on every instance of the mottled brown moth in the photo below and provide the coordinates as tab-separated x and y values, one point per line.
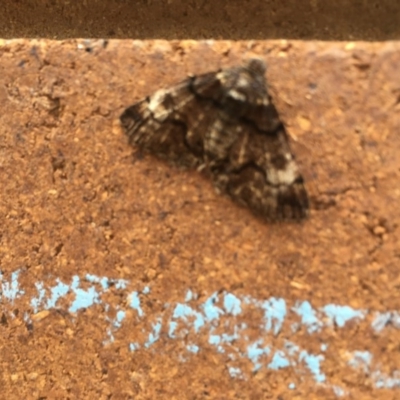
224	124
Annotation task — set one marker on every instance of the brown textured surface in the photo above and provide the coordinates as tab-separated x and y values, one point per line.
173	19
73	199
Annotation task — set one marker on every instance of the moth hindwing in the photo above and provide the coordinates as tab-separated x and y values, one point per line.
225	124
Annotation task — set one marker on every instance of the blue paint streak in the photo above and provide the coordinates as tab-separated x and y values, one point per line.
193	348
210	310
189	296
341	314
308	316
36	302
313	363
186	313
216	341
83	298
146	290
171	331
119	318
274	314
279	361
11	291
155	334
134	346
106	282
232	304
103	281
182	311
229	338
255	351
57	292
217	319
135	303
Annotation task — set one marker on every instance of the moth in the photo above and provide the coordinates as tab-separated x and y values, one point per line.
224	124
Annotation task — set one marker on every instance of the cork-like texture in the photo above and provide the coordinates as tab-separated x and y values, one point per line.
183	294
200	19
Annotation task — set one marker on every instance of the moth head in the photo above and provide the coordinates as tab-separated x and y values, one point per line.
245	86
253	72
256	66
